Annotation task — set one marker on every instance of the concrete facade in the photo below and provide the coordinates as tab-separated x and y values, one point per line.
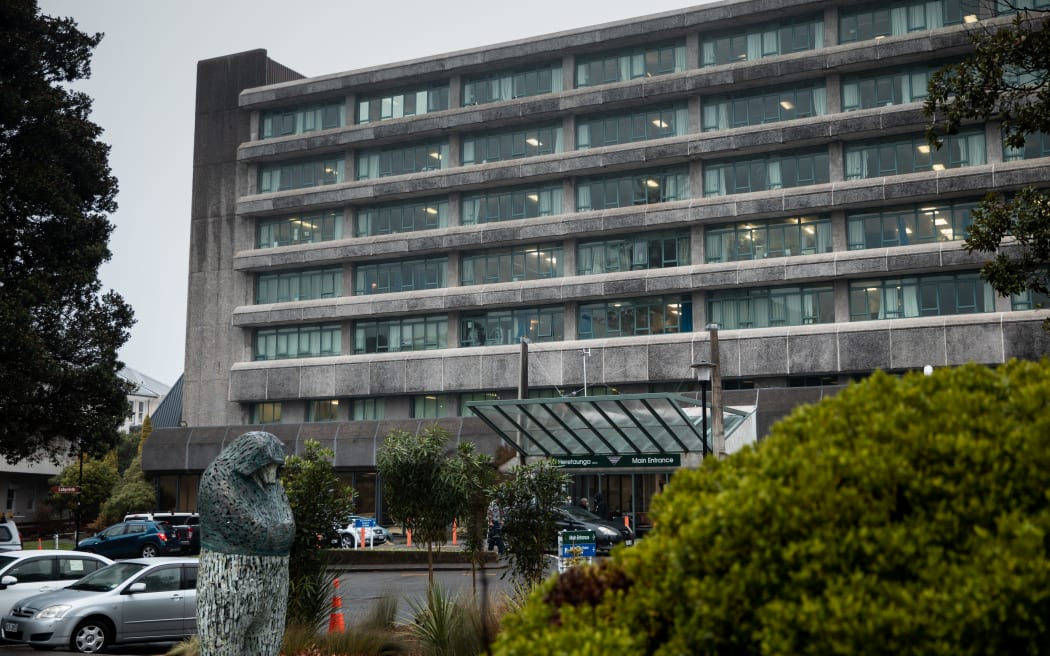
767	367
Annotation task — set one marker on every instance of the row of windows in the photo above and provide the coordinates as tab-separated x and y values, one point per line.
749	43
732	309
748	240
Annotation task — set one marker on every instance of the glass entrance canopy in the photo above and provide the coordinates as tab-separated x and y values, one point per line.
624	424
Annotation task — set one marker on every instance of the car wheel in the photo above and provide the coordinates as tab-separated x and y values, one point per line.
90	637
346	542
149	550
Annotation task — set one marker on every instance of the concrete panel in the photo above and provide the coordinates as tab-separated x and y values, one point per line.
502	370
282	383
913	348
352	379
669	362
424	375
247	384
812	353
980	342
1026	339
317	382
763	355
387	377
462	372
865	350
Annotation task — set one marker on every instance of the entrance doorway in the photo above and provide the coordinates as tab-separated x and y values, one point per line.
622	495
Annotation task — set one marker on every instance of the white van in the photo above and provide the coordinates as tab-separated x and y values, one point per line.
10	538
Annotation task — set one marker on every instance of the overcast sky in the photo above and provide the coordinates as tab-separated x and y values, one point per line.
143	85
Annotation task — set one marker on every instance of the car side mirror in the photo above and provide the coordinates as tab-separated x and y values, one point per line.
7	580
135	588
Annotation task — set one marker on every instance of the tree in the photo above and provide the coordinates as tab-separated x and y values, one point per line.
1006	79
59	389
319	502
530	529
131	493
96	485
902	516
421	488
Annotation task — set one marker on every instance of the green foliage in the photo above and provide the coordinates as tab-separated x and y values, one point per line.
1006	79
99	479
59	389
131	493
128	448
319	503
903	516
475	476
528	500
446	626
423	488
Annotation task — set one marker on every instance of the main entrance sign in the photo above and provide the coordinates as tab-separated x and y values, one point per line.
598	461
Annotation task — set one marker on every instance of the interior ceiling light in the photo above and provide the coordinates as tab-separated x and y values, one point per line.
660	124
924	149
787	104
652	184
971	18
533	141
938	167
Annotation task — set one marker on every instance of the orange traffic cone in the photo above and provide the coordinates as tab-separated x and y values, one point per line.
408	532
454	532
335	622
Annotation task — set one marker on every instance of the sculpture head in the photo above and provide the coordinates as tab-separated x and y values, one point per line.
258	455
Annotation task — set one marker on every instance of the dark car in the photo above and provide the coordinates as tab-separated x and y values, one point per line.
187	527
132	539
607	534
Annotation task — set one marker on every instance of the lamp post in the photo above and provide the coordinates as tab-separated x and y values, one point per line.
703	376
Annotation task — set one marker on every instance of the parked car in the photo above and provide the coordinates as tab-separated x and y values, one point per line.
140	600
133	539
349	535
10	538
607	534
30	572
187	527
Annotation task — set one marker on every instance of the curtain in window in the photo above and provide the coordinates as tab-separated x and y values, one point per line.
809	312
583	77
583	197
625	67
899	20
754	46
823	236
770	45
550	202
468	151
506	87
760	307
856	235
856	164
679	58
820	101
583	135
975	146
910	292
774	178
556	80
917	17
707	54
715	180
716	115
818	34
851	96
368	166
934	14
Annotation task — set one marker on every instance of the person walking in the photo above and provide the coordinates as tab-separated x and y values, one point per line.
495	522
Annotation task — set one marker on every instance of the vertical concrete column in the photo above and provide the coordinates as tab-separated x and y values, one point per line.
993	139
692	50
349	269
253	125
696	178
455	209
831	26
453	329
833	93
350	109
568	258
836	162
1003	303
455	92
696	106
452	272
987	9
350	165
570	320
841	291
700	318
568	195
455	150
568	72
346	329
347	216
696	244
568	133
839	231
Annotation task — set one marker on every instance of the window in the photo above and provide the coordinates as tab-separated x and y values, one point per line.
402	160
536	262
765	106
543	324
467	397
401	276
429	406
1030	300
299	229
628	127
896	18
387	106
324	410
510	204
909	154
402	217
300	174
635	316
304	285
634	189
10	505
72	567
656	250
371	409
167	579
297	342
401	334
775	171
266	413
886	87
920	296
910	224
507	85
511	144
37	570
754	240
755	42
630	64
298	120
765	307
1010	6
1036	144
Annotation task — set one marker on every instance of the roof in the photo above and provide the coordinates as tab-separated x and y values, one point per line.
169	413
144	385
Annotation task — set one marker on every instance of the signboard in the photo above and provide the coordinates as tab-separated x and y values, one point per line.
585	540
661	460
362	522
65	489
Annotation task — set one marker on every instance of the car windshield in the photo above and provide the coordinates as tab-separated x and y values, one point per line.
6	560
581	513
108	577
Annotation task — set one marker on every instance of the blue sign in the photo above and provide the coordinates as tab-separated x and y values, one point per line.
587	550
362	522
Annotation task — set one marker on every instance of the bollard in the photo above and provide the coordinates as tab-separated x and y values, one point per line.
361	535
40	543
454	532
408	534
626	522
335	622
56	540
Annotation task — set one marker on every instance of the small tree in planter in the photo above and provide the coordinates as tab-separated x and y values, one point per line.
528	500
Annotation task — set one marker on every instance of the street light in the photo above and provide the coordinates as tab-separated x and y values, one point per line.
704	370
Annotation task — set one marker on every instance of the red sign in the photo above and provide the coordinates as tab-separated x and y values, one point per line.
65	489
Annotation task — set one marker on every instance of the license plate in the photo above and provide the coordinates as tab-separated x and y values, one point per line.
628	542
11	626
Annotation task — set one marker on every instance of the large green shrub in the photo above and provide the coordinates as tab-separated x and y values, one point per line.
902	516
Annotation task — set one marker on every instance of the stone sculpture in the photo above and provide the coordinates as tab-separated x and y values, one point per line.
246	533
